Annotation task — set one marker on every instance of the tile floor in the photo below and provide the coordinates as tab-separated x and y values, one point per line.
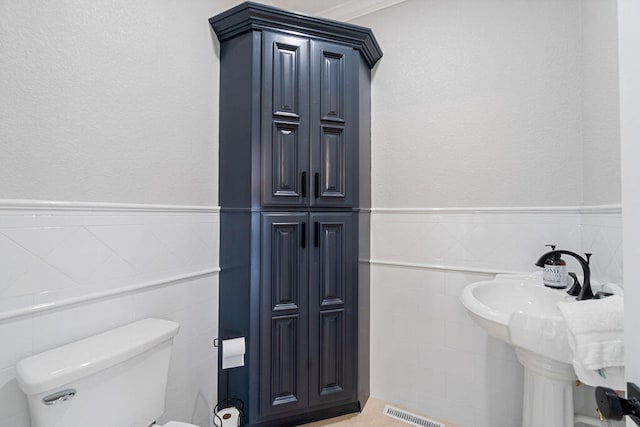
371	416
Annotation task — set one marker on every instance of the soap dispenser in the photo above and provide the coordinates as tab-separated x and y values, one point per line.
555	271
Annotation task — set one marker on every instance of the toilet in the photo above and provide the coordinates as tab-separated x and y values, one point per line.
115	379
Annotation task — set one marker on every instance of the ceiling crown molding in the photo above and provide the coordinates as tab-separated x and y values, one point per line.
253	16
353	9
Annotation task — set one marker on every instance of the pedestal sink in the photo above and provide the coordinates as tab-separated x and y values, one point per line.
521	311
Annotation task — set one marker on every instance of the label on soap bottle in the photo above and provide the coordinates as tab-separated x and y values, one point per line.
555	276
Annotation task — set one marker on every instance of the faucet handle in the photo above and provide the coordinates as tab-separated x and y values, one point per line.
588	255
576	287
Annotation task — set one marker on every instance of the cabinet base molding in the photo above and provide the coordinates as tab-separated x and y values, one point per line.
311	417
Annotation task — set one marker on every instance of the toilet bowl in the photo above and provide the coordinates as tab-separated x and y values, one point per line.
116	378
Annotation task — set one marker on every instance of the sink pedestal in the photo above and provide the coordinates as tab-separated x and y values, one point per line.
548	391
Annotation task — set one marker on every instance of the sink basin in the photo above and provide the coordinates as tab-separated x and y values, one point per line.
521	311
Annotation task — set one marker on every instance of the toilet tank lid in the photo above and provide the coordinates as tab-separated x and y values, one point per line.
63	365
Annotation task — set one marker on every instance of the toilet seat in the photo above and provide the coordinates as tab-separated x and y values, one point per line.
177	424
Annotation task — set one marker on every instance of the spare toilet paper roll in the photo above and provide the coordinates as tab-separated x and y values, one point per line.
228	417
233	353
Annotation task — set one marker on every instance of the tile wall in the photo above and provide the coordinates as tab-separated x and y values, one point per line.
71	271
427	354
601	234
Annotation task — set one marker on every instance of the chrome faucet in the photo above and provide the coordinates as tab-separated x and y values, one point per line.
585	292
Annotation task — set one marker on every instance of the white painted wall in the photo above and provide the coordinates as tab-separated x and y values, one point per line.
629	52
109	101
477	104
600	103
482	105
495	104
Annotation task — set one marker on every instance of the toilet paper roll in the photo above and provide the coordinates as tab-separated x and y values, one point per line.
228	417
233	353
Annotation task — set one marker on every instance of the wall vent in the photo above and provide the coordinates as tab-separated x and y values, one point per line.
409	418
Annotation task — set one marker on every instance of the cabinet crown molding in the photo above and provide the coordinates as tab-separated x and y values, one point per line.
249	16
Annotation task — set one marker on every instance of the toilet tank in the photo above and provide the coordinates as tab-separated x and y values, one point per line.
119	378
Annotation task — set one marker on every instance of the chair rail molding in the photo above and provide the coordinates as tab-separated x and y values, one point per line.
103	295
51	205
595	209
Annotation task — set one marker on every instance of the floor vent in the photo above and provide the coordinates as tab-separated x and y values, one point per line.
409	418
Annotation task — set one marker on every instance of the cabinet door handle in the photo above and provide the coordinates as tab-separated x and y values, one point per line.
316	235
303	235
316	184
303	188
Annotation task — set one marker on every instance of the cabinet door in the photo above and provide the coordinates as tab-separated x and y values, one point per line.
285	120
331	303
333	128
284	314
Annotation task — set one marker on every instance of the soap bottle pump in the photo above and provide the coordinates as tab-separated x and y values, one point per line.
555	271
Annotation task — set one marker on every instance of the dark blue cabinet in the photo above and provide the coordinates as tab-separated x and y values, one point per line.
294	191
285	120
307	346
334	93
284	320
309	92
332	290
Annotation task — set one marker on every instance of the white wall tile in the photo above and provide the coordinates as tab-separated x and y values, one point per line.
12	400
497	241
8	303
84	252
16	337
602	236
422	338
41	279
62	327
154	257
410	365
49	256
157	302
419	346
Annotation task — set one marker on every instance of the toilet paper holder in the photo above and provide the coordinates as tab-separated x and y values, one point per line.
233	351
224	404
228	402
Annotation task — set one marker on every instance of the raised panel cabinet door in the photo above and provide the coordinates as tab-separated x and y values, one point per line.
332	283
285	120
333	124
284	313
